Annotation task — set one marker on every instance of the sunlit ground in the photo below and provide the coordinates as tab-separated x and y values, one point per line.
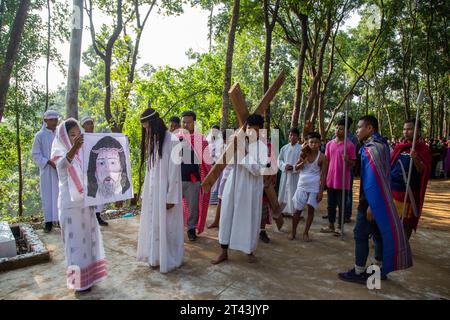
285	269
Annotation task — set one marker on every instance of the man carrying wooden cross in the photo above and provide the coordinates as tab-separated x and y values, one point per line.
246	175
240	216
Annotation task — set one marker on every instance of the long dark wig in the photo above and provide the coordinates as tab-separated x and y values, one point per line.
153	142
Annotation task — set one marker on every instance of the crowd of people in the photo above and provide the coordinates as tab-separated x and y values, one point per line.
389	208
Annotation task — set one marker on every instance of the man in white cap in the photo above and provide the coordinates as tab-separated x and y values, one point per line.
40	152
88	125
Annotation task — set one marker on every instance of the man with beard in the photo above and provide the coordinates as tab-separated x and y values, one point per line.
107	174
88	125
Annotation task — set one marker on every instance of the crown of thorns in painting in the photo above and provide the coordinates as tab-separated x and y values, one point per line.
107	169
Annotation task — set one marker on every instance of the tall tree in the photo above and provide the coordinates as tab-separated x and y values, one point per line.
73	77
229	65
11	53
49	19
106	56
291	33
268	25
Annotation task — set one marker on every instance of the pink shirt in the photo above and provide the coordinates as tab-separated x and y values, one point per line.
334	153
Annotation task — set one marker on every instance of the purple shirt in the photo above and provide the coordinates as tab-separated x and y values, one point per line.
334	153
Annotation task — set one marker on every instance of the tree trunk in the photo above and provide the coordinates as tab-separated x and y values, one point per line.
48	53
210	24
19	153
73	76
11	52
299	77
430	94
229	65
266	74
321	113
313	103
107	59
367	99
131	74
269	29
2	11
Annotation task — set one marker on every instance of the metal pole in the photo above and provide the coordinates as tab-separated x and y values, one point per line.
343	172
419	102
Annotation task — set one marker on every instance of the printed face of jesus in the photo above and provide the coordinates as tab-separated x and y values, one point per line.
108	172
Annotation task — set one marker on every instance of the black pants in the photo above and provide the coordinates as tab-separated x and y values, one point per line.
334	200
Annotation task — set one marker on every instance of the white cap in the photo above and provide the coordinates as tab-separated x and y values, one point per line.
51	114
86	119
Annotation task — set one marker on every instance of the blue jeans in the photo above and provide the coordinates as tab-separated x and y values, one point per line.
349	199
361	233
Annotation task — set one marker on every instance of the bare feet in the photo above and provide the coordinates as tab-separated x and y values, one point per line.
222	257
306	238
291	236
279	222
251	258
213	225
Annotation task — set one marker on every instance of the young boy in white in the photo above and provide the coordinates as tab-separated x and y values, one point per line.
313	169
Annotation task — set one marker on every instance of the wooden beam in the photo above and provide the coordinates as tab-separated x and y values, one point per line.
270	94
242	115
239	106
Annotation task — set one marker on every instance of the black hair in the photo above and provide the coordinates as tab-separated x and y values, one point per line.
413	121
294	131
255	120
368	119
106	142
341	122
349	121
215	127
175	119
157	134
313	135
189	113
69	124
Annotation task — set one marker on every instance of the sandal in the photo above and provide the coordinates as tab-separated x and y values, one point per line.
327	230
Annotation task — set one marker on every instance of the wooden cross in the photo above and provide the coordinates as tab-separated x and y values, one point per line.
242	113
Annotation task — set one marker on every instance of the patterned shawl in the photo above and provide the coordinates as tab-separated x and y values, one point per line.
375	174
200	146
424	154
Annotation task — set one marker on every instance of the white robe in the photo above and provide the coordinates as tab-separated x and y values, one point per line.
215	149
240	215
288	183
161	235
48	184
83	245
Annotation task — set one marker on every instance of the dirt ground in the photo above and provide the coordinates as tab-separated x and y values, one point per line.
285	269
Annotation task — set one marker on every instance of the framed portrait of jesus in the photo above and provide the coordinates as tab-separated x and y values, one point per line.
106	168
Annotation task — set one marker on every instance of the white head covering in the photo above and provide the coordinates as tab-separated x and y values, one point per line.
51	114
62	145
86	119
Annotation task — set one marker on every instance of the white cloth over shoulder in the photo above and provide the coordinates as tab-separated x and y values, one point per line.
71	191
83	246
289	154
48	184
240	216
161	235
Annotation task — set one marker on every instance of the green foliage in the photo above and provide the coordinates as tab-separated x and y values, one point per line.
414	34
